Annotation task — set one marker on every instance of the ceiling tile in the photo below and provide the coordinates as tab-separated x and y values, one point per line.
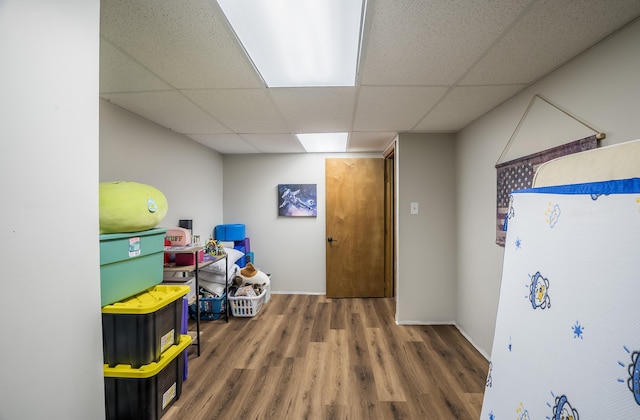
242	110
121	73
426	66
394	108
169	109
369	142
274	143
465	104
225	143
185	43
431	42
316	110
548	36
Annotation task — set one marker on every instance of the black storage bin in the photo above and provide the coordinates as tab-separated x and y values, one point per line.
137	330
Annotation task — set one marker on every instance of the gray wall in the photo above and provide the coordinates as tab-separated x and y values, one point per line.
188	173
602	87
426	277
51	350
291	249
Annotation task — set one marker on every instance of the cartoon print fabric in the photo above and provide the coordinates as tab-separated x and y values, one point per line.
567	337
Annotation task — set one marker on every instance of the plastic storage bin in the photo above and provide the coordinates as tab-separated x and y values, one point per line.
211	308
246	243
230	232
136	331
183	281
189	258
244	306
184	329
145	393
130	263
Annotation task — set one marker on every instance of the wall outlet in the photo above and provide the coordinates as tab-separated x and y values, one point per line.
414	208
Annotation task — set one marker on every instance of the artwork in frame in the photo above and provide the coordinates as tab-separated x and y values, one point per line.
297	200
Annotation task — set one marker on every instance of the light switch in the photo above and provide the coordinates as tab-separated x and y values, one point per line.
414	208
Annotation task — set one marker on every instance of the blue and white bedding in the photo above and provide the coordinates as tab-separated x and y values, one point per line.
567	335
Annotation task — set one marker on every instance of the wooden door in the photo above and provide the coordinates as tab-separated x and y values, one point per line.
355	247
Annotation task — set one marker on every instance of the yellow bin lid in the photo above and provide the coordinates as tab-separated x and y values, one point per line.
153	368
148	301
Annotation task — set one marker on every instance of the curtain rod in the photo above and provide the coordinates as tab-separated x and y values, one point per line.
599	135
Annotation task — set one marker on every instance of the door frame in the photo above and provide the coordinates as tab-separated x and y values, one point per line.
390	219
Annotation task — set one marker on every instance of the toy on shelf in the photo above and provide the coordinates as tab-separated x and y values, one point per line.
214	247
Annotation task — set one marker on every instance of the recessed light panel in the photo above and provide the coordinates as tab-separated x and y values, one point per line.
324	142
295	43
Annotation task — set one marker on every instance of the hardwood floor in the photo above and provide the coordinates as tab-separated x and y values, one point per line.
309	357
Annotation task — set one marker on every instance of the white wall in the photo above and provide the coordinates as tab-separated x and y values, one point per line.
602	87
426	276
51	351
188	173
291	249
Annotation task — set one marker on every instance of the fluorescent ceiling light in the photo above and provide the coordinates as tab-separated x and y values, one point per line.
299	42
324	142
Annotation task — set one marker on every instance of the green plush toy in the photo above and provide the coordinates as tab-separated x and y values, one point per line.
130	207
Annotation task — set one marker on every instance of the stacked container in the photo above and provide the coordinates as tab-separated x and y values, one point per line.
130	263
143	348
234	233
146	392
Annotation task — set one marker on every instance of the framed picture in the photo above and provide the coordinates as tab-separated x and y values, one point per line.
297	200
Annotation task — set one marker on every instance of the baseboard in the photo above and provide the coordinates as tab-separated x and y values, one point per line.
482	352
465	335
425	323
289	292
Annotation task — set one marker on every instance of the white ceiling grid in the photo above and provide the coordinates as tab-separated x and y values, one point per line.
426	66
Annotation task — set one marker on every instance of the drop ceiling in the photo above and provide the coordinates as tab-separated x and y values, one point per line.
426	67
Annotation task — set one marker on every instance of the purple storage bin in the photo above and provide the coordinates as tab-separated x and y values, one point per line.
245	242
184	329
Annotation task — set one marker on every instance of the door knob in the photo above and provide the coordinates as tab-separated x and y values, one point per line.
330	239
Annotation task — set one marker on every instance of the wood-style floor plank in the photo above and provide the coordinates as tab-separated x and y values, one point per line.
385	368
336	389
309	357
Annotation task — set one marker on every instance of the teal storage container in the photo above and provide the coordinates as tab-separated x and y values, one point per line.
130	263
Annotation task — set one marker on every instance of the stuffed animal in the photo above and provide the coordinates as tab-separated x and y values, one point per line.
130	207
251	275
